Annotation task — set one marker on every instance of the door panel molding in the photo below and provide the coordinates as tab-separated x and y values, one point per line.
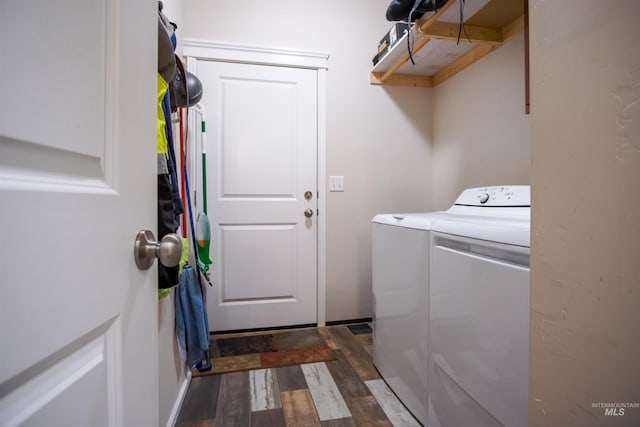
245	242
38	152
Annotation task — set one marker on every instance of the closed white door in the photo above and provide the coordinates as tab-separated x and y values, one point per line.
262	193
77	181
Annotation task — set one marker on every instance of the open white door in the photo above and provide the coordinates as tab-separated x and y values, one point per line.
77	182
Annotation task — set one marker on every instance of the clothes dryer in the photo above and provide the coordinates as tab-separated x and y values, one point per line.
479	310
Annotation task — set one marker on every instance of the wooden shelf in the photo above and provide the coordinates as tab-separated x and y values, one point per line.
435	50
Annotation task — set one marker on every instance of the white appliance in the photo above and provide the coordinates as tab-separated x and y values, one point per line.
451	298
400	299
479	310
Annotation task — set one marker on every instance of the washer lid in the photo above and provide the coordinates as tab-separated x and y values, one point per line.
419	221
498	214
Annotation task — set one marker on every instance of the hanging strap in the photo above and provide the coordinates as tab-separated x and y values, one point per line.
182	162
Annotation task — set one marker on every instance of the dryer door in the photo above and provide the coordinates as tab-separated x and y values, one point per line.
479	329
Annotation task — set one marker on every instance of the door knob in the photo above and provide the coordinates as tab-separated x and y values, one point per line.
308	213
308	195
146	249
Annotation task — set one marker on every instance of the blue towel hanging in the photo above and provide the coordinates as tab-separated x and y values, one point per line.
192	324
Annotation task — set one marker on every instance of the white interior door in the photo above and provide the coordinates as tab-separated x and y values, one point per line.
262	159
77	181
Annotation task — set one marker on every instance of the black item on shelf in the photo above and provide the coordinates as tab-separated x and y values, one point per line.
399	10
391	38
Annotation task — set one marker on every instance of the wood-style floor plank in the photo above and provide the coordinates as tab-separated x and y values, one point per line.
326	396
355	354
364	408
264	390
392	407
328	338
366	412
348	381
268	418
364	339
201	399
234	400
299	410
342	422
290	378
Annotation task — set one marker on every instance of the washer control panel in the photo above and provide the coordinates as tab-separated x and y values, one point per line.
506	195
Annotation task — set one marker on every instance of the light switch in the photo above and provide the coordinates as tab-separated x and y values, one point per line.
336	183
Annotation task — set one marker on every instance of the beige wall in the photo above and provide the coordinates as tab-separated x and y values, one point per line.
481	132
377	138
585	254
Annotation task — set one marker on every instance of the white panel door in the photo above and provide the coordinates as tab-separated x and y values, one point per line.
77	182
262	159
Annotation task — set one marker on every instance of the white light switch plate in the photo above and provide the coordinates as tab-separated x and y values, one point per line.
336	183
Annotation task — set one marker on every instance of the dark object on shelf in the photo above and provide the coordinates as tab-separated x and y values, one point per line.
390	39
399	10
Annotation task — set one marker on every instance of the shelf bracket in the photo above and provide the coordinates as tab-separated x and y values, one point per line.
470	33
508	32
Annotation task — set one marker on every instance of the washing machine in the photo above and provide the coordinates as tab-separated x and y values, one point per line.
400	274
479	310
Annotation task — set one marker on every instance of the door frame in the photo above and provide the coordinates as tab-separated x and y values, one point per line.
199	49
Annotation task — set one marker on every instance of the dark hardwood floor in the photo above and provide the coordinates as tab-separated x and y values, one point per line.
347	391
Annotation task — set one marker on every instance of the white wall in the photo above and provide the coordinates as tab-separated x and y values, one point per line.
585	269
377	138
481	132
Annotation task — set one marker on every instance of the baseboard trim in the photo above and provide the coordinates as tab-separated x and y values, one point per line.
277	328
274	328
182	393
